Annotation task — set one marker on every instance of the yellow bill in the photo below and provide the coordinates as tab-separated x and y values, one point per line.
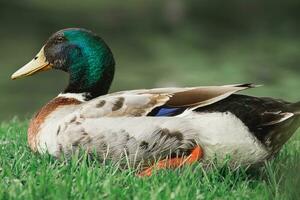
39	63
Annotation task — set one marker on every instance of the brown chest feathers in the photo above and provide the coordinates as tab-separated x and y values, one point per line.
39	118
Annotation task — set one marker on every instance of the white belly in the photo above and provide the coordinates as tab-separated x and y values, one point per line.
223	134
219	135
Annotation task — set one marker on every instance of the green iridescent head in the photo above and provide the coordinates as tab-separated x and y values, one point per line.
81	53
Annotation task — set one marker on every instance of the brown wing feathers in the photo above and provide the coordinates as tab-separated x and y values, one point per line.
203	96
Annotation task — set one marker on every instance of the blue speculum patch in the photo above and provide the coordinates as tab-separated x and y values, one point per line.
164	112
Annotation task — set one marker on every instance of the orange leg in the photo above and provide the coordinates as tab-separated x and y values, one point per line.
196	154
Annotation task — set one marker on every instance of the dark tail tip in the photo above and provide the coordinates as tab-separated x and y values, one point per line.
296	108
249	85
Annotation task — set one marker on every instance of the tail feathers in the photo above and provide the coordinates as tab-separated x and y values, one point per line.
296	108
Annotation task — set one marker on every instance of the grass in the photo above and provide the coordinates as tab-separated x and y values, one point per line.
26	175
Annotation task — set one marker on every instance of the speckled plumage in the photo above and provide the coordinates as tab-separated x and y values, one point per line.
118	125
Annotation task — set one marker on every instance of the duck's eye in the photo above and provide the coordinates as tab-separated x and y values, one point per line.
59	39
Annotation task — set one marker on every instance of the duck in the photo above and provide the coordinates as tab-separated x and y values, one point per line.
160	128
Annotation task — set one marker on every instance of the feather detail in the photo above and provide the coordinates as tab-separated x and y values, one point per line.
203	96
41	116
133	105
140	138
153	138
272	118
167	111
295	108
136	103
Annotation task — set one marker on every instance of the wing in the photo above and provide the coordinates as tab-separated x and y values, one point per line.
136	103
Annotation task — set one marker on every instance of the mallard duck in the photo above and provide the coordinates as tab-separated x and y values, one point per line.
176	125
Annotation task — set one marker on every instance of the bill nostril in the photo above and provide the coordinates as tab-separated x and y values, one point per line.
35	57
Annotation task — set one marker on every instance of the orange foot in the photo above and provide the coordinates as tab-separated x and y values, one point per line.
196	154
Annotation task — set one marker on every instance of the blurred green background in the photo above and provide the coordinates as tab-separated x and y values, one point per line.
157	43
